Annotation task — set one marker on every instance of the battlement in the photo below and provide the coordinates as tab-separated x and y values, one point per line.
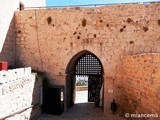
7	76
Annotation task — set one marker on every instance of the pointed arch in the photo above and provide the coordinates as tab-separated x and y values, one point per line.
71	71
72	63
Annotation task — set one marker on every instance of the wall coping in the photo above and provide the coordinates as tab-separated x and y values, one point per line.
88	5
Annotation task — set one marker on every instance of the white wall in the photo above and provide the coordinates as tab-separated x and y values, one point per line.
7	8
34	3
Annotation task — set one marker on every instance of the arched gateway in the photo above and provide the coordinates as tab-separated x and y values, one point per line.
88	64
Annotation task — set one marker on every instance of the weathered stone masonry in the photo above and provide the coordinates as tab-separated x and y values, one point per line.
8	49
7	27
46	40
140	88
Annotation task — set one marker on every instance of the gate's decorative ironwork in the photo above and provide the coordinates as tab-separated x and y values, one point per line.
88	65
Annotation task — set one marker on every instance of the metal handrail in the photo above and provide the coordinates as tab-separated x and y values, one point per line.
87	5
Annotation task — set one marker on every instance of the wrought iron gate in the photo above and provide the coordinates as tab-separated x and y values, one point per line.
94	86
90	65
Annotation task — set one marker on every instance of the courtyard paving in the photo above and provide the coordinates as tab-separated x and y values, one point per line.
81	97
82	110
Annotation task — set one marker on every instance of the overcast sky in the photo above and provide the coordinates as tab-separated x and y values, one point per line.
84	2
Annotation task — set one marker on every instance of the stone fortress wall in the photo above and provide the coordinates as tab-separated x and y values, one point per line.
16	96
7	26
140	84
119	35
48	39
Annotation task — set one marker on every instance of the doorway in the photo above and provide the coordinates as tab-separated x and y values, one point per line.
81	95
87	64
